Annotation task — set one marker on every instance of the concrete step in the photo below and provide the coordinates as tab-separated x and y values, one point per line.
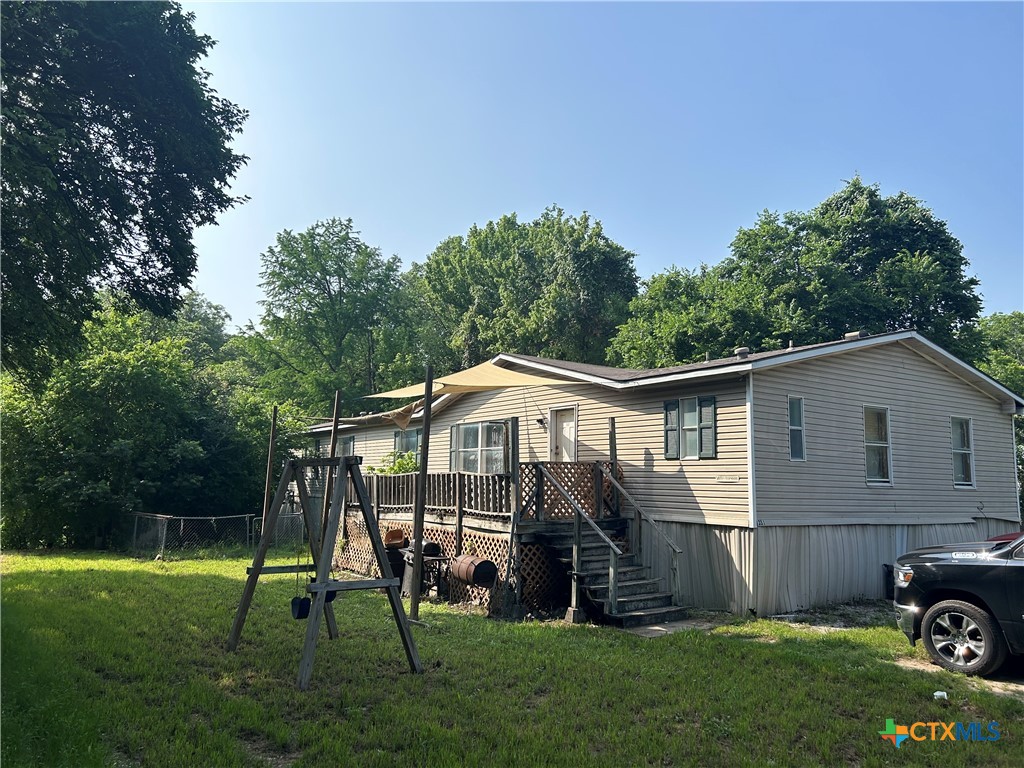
647	616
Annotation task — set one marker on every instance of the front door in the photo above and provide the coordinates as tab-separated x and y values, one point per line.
563	434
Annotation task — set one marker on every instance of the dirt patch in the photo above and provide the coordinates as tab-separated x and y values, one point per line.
854	615
266	754
702	621
1009	681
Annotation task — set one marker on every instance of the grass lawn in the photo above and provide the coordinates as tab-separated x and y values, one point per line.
110	661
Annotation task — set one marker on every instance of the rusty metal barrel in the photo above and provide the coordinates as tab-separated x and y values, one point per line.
475	571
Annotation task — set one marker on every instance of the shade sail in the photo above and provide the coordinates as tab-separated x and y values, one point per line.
479	378
400	417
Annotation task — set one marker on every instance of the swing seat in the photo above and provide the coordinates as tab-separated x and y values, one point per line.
300	607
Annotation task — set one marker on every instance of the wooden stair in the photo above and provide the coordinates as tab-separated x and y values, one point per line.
642	600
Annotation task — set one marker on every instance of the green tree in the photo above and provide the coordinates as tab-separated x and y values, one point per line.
1004	362
331	304
115	148
136	422
858	261
556	287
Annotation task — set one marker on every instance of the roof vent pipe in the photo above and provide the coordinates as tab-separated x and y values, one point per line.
854	335
707	357
741	352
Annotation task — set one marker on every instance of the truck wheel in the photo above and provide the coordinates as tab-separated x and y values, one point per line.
963	638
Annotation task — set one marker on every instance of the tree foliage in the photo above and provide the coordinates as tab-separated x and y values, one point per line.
115	148
556	286
138	421
1004	361
332	311
858	261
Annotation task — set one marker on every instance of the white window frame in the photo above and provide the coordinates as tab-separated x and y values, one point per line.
456	450
959	451
693	429
801	428
878	482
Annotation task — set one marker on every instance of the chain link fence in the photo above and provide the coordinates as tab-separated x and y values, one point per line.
164	535
289	532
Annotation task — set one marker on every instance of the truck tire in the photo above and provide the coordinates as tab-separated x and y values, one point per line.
961	637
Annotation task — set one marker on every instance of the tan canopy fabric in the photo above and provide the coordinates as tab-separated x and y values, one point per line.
400	417
479	378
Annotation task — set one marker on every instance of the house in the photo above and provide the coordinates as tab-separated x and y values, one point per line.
763	482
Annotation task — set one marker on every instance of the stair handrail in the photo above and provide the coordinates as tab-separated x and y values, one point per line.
577	548
642	513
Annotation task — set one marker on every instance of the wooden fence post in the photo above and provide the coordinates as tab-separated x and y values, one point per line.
459	503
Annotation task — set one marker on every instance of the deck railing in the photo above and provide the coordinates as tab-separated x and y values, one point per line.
448	494
492	496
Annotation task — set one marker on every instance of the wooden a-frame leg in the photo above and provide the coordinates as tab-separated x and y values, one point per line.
260	557
315	545
330	537
394	592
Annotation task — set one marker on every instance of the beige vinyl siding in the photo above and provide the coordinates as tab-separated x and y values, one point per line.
373	444
705	490
830	486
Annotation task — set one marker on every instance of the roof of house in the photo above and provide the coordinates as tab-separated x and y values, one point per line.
639	374
745	361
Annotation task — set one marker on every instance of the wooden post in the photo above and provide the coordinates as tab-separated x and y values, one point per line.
459	503
538	494
613	457
575	613
270	471
515	505
375	499
613	583
421	500
329	479
597	480
259	558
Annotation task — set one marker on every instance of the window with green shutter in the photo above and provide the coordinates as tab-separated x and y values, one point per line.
689	428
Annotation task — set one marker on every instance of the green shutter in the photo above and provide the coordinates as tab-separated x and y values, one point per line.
706	411
671	429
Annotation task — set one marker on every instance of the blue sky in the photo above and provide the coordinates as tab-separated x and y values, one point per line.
674	124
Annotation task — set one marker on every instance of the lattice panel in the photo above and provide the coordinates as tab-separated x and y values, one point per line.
545	584
490	547
576	478
357	555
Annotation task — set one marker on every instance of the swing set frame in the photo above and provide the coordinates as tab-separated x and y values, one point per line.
343	470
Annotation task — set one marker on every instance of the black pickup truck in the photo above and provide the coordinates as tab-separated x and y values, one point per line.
966	601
